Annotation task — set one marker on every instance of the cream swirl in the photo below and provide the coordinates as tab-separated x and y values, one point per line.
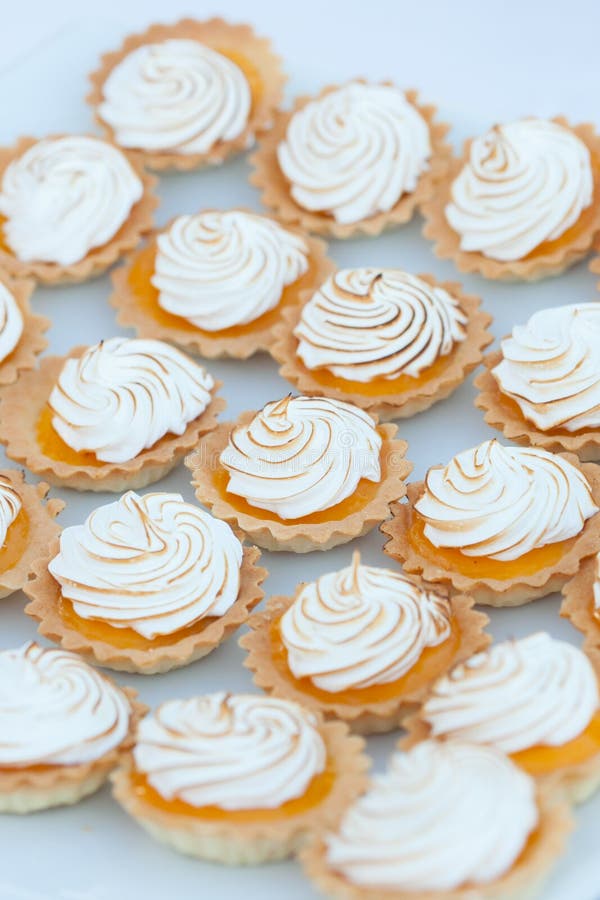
301	455
11	323
220	269
122	395
234	751
361	626
551	367
596	588
355	151
443	815
524	183
10	507
515	695
177	96
502	502
154	564
56	710
64	196
364	324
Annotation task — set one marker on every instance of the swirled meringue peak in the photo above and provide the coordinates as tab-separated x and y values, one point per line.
301	455
361	626
443	815
177	96
551	367
355	151
501	502
524	183
10	507
154	564
122	395
57	710
64	196
11	323
234	751
364	324
221	269
516	695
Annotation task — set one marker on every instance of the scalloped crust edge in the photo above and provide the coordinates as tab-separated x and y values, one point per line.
32	340
43	593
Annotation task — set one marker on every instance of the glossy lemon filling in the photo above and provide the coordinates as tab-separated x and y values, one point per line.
432	662
316	792
146	295
365	492
543	760
125	638
378	387
15	544
452	559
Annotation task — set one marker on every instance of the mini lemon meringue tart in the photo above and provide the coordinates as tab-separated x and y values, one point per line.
146	584
362	644
27	527
543	386
581	605
505	525
70	206
387	341
239	778
522	203
304	473
117	415
217	282
64	727
535	699
446	821
21	331
188	94
357	158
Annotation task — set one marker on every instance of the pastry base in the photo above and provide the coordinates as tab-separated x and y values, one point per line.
522	882
371	718
44	595
532	267
465	356
213	344
275	189
32	341
41	514
493	591
503	413
578	607
138	223
220	36
249	843
298	537
26	790
21	405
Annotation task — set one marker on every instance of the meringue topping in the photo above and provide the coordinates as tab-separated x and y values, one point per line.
122	395
361	626
10	507
177	96
551	367
56	710
221	269
154	564
355	151
443	815
64	196
524	183
365	324
301	455
11	323
501	502
233	751
516	695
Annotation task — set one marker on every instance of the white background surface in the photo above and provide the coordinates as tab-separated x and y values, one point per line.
480	63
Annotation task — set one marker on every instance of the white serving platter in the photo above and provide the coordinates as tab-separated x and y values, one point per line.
92	851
